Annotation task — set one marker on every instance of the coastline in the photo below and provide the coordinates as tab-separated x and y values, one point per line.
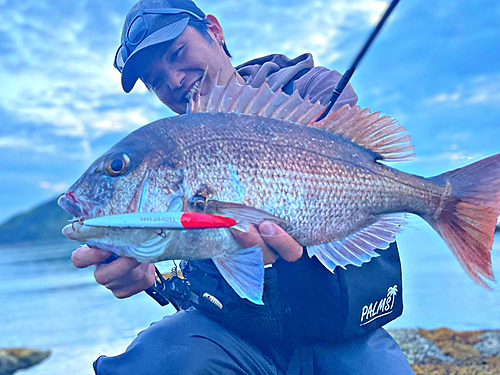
445	351
14	359
62	308
429	351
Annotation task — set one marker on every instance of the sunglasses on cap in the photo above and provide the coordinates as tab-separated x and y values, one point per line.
137	31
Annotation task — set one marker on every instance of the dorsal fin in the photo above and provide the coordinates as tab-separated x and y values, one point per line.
381	135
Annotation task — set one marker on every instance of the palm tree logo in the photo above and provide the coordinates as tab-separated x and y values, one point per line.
391	295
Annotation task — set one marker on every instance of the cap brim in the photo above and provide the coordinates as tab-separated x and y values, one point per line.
169	32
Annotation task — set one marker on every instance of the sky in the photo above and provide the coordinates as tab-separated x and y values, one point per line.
435	67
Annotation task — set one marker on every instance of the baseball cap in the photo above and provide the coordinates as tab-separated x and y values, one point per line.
148	23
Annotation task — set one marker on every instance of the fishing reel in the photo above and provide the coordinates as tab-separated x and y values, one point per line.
178	292
174	290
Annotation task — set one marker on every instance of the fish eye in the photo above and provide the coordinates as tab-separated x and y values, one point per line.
118	165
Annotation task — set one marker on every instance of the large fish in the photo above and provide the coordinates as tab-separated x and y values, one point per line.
254	155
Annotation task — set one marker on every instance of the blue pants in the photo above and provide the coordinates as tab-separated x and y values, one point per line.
189	342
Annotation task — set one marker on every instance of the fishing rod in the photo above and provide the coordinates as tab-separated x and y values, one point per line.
344	80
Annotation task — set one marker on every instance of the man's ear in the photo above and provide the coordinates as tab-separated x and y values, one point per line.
215	28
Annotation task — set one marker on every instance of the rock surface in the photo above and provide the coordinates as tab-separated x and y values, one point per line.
12	360
444	351
439	351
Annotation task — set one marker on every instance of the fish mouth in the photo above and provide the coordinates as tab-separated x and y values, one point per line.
69	204
80	210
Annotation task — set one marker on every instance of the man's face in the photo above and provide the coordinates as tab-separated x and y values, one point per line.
173	74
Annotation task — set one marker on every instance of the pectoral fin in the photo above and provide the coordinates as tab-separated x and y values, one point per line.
244	272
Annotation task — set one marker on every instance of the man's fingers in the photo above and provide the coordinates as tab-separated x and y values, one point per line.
272	239
125	292
124	276
268	256
280	241
106	273
86	256
252	238
145	274
136	281
248	239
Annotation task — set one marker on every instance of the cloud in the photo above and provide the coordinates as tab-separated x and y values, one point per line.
62	102
61	76
487	90
13	142
445	98
55	187
433	164
84	106
453	156
481	90
322	27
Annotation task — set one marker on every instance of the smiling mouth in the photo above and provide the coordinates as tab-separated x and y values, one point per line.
193	90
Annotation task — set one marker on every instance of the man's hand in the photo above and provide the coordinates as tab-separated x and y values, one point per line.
124	276
273	241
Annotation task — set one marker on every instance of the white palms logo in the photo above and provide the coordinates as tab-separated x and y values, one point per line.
379	308
391	294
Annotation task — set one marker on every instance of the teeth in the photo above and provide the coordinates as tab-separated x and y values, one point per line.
194	89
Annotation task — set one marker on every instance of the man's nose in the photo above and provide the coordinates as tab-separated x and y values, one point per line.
175	79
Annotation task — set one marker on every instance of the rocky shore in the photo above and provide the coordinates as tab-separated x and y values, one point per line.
444	351
430	352
15	359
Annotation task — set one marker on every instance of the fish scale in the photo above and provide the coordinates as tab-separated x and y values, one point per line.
289	179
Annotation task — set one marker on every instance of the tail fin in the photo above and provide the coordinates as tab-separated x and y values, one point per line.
469	214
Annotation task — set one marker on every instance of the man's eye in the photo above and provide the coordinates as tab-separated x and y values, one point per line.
153	85
176	53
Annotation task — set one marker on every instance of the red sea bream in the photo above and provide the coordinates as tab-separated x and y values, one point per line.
254	155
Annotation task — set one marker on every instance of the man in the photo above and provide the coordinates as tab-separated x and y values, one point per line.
310	319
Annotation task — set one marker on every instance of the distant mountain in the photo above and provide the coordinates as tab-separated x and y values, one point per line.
44	222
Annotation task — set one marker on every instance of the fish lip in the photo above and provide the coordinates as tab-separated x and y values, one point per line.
80	210
69	204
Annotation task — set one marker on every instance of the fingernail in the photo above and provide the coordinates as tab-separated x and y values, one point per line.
236	230
266	228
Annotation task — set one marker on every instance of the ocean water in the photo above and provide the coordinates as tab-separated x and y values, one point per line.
47	303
